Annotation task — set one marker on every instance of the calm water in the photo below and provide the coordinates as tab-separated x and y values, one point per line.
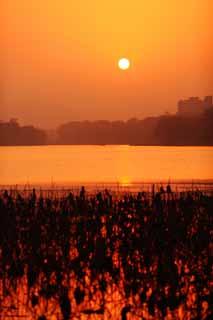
123	164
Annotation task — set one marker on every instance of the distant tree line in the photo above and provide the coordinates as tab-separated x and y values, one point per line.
12	134
176	130
163	130
133	131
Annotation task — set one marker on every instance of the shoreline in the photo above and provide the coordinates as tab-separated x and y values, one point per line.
114	187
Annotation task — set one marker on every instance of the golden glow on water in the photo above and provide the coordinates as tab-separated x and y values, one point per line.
123	164
125	182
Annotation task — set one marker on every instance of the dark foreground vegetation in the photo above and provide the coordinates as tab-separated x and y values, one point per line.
98	256
164	130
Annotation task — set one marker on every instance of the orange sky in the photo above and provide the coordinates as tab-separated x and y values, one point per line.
59	58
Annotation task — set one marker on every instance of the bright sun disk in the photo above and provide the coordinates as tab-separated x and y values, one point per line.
124	64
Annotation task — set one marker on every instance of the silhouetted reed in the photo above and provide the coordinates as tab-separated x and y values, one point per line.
82	255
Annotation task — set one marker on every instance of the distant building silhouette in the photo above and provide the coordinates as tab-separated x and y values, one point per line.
194	106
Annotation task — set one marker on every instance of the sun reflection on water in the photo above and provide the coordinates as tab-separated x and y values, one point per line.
125	182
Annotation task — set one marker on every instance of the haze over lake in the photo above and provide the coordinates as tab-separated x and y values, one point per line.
124	164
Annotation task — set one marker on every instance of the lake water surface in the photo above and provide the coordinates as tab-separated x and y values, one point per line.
123	164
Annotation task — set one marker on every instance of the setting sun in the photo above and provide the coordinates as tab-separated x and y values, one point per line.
124	63
106	150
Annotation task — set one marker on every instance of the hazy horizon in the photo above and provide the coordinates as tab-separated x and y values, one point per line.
59	59
50	128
